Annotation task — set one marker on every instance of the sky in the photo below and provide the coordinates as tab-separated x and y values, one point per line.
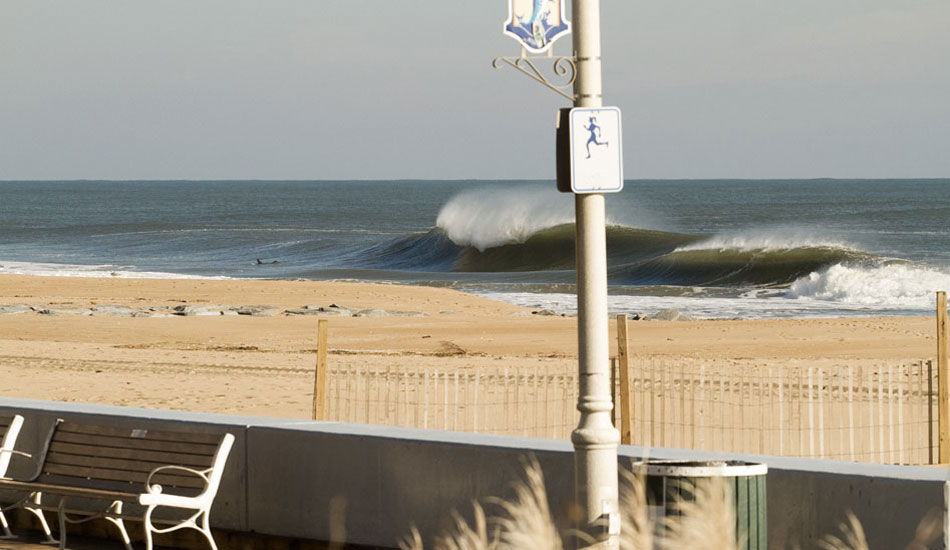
373	89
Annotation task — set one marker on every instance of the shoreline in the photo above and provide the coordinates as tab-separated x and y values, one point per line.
251	364
637	306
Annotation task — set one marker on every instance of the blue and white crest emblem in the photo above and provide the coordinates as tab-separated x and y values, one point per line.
536	23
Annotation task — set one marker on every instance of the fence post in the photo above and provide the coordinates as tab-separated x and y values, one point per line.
614	393
943	381
930	410
851	410
623	361
320	376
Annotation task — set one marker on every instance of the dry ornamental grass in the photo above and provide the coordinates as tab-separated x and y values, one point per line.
707	522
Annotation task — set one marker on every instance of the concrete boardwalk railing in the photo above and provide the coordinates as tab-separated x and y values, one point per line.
282	475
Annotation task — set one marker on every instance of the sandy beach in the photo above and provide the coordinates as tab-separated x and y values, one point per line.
75	339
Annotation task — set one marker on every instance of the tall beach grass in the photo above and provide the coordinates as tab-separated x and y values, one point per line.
707	521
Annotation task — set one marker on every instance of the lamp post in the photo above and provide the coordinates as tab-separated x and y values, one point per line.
595	439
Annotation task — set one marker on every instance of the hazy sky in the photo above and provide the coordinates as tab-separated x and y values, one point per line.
331	89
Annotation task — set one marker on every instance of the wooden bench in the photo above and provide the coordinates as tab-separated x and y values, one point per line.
137	468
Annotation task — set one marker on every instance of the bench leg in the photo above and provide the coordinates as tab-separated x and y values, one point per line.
147	523
42	519
36	511
25	504
206	529
6	526
62	523
199	522
116	508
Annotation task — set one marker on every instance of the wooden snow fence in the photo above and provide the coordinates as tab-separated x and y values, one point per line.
884	413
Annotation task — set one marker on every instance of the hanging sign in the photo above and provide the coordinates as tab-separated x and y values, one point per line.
536	23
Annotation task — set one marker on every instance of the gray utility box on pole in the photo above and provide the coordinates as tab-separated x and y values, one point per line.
672	481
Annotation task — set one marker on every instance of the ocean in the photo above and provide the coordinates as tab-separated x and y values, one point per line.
707	248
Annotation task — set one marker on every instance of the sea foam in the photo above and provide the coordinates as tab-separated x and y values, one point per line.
773	238
494	216
88	271
888	286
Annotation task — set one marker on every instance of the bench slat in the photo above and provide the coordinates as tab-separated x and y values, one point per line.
198	462
84	476
58	489
150	435
136	469
200	449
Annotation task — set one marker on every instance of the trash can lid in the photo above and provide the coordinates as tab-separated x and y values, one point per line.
700	468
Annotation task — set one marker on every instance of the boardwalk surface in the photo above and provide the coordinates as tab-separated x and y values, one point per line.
34	542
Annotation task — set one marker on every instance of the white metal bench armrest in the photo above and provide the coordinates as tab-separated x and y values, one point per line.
211	476
174	501
15	452
155	496
203	474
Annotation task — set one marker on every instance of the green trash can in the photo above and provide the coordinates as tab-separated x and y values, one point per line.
670	480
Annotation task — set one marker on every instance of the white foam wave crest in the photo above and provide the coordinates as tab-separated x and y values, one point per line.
771	239
495	216
89	271
889	286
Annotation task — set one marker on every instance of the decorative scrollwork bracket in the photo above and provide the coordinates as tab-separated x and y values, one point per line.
564	68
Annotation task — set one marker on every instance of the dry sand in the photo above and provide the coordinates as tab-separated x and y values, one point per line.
263	365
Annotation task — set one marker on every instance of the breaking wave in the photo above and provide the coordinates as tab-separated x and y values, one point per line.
525	229
890	285
636	256
488	218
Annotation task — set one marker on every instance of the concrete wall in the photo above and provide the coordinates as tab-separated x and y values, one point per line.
282	475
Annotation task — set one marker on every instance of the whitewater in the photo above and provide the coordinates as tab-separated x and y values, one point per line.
711	249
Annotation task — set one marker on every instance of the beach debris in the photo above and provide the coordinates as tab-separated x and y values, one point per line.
340	311
302	311
332	309
114	311
185	310
189	311
449	349
670	315
254	311
387	313
541	313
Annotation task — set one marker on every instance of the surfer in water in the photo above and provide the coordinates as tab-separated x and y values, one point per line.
594	130
259	262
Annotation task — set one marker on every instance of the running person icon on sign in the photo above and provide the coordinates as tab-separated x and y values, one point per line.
594	130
